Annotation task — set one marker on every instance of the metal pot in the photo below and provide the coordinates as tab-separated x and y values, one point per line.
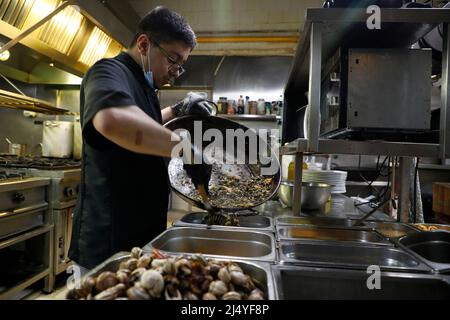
314	195
57	139
77	139
16	148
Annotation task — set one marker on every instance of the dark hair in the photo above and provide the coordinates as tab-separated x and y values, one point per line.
164	26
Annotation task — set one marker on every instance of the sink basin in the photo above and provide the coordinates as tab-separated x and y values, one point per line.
318	221
194	219
293	282
348	256
391	229
237	244
327	234
432	246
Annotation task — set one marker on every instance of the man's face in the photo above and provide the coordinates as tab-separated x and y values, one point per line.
166	61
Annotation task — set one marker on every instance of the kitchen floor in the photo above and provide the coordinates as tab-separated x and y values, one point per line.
35	292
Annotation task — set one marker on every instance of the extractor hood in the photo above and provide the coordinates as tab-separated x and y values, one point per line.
70	40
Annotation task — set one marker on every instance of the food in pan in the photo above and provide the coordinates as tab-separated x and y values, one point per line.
231	186
235	192
431	227
148	276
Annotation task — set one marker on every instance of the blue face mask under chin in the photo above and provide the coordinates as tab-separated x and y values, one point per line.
148	75
149	78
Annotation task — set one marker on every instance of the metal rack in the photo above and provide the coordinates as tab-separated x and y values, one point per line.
17	101
44	272
324	31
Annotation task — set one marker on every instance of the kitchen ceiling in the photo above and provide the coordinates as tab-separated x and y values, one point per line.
230	27
223	28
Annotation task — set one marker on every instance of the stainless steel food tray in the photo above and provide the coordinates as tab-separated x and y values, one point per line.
299	282
323	222
391	230
432	247
258	270
313	233
348	256
257	222
235	244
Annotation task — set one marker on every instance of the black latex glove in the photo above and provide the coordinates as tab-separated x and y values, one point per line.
199	173
194	104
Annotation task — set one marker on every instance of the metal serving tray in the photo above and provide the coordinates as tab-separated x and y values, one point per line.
295	282
313	233
432	247
231	244
348	256
391	230
258	270
258	222
323	222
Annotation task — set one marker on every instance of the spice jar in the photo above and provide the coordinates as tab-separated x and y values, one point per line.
261	107
231	107
253	107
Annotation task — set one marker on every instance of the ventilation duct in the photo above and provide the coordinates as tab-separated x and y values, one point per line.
96	47
57	29
15	12
59	33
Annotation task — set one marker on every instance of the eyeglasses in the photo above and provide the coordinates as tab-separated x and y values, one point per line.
174	66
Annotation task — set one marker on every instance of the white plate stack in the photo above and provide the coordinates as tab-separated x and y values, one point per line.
332	177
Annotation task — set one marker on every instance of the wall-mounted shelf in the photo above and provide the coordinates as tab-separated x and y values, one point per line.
250	117
331	146
18	101
325	31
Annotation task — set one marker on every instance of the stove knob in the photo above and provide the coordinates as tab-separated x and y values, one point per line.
18	197
69	191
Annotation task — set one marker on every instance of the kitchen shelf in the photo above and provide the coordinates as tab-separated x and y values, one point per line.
325	31
249	117
18	101
330	146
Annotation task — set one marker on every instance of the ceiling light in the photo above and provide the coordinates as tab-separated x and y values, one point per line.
5	54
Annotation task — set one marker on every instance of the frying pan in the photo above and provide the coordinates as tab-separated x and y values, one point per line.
182	185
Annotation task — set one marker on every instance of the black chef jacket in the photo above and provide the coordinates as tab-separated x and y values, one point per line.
123	195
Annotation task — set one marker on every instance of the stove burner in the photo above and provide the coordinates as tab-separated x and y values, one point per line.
38	162
8	176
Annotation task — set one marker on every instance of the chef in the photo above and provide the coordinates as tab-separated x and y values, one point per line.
124	191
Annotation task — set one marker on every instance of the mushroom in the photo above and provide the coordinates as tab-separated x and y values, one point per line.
144	261
224	275
111	293
232	295
136	292
209	296
153	281
218	288
256	294
106	280
136	252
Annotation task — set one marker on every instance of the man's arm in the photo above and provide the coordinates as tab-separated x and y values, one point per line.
132	129
167	114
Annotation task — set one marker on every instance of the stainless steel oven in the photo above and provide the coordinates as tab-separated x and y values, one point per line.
62	194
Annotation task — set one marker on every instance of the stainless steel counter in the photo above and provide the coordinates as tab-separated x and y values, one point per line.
340	207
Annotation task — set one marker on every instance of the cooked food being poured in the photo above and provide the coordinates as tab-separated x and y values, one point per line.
231	186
